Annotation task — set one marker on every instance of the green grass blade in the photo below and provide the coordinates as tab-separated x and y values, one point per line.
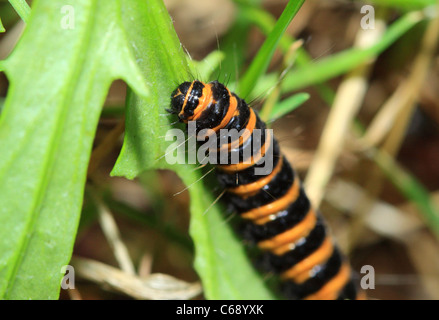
47	128
22	9
405	4
265	22
315	73
260	63
342	62
411	188
287	105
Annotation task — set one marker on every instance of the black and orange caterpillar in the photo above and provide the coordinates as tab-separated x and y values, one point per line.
276	211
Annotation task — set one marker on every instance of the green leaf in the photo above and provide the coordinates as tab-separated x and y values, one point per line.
59	78
164	66
260	63
218	252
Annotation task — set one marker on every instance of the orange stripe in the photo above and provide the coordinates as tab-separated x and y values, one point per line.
248	130
232	109
264	220
330	291
242	166
301	271
230	112
284	241
185	99
275	206
246	189
203	101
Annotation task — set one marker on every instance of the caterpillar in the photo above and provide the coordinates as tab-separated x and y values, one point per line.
276	213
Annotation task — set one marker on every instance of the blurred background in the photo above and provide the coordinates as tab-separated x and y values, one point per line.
380	197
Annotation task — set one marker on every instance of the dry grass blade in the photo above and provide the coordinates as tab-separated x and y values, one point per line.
111	231
154	287
397	111
387	116
346	105
401	104
383	218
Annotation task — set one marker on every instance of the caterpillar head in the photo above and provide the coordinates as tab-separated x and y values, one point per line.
184	99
